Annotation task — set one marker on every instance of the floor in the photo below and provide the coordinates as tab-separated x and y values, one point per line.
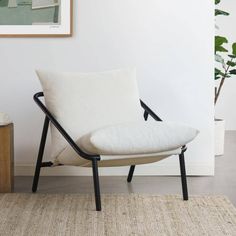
223	183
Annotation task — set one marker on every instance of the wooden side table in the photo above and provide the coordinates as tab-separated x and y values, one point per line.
6	159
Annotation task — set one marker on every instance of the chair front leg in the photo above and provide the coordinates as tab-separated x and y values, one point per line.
40	155
131	172
96	185
183	175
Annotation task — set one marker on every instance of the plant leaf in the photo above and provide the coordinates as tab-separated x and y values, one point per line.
220	49
232	56
219	40
218	72
220	12
219	58
231	63
234	49
232	72
217	2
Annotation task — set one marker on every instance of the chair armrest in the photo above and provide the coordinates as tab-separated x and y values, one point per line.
148	111
62	130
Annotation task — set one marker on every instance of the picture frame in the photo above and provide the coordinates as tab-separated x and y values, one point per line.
36	18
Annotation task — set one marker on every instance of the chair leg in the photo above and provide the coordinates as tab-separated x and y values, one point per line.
183	176
96	185
40	155
131	172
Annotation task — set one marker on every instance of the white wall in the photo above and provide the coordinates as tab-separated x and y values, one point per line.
170	43
227	102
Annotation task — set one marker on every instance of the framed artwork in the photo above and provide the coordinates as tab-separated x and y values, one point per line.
36	18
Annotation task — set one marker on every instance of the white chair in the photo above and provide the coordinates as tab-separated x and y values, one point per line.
97	121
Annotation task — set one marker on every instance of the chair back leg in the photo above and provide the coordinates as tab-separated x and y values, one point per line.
96	185
40	155
183	176
131	172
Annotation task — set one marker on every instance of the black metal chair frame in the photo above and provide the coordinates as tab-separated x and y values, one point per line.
93	158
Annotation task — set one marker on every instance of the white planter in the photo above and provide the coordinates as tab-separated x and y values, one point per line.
219	136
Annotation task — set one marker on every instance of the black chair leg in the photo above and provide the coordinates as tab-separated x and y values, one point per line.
131	172
40	155
183	176
96	185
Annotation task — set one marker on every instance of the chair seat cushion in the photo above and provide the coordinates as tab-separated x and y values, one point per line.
137	138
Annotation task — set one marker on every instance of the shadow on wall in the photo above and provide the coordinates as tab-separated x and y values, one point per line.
26	153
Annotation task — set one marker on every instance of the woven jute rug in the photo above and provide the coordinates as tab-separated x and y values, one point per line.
122	214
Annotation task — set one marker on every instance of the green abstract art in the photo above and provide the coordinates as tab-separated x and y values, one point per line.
36	18
30	12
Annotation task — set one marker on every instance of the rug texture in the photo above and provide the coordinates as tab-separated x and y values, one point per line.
122	214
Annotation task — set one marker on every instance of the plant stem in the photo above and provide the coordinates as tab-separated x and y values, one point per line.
217	92
219	89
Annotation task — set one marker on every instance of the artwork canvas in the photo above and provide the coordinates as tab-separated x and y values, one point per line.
35	17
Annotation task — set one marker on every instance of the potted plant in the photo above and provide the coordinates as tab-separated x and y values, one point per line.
225	68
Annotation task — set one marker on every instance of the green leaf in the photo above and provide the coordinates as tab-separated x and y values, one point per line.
232	56
230	63
220	49
232	72
234	49
217	2
220	12
219	58
218	72
219	40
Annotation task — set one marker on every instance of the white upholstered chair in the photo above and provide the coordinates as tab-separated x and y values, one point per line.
97	119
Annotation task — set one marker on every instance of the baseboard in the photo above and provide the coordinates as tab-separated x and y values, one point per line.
148	170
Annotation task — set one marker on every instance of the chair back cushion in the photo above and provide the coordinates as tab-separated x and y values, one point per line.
84	102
